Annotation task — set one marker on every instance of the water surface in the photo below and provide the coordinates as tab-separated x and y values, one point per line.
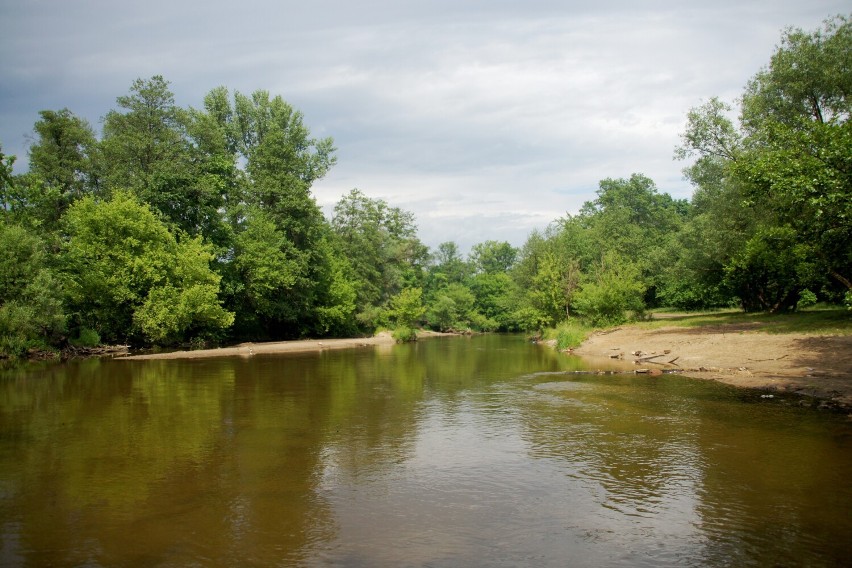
450	452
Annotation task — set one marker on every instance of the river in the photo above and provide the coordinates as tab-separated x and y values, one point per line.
480	451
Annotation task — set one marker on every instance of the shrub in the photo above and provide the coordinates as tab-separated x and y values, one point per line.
806	299
87	338
569	334
404	334
616	289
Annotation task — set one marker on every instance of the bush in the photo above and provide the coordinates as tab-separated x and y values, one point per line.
568	334
87	338
404	335
529	319
616	289
806	299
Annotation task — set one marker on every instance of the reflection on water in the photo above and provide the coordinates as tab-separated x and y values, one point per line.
459	451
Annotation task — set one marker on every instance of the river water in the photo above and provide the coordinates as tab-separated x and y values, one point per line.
482	451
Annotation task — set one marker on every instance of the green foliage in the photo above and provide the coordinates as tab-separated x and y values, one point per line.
453	308
268	266
381	245
406	307
568	334
773	267
6	181
404	334
86	338
336	309
129	278
31	310
492	257
613	290
529	319
806	299
493	299
774	196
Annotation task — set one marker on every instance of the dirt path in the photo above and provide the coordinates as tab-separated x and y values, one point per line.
819	366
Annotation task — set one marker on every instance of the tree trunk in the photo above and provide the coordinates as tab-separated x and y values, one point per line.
840	278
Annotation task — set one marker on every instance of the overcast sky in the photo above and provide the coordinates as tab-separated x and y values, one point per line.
487	119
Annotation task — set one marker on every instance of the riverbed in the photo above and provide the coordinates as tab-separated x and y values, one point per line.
459	451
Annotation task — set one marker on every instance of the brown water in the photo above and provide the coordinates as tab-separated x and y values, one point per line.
452	452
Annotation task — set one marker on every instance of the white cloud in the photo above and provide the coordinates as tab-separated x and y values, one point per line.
484	118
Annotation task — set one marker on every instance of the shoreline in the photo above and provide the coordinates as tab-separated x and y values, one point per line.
814	366
818	367
293	346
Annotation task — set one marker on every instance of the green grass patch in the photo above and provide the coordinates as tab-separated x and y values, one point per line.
813	321
404	334
568	334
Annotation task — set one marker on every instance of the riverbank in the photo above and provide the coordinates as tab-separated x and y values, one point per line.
296	346
740	354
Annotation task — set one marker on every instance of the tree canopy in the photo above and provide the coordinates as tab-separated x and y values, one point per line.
177	225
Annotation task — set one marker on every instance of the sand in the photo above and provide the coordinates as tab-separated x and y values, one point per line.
818	366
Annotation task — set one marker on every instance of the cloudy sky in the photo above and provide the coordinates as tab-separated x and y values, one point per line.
486	118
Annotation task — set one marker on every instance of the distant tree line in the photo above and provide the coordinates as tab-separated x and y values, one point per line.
184	225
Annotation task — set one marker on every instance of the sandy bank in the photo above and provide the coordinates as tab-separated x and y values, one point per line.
298	346
736	354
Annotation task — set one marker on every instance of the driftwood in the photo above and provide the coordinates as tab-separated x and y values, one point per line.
648	358
77	351
633	372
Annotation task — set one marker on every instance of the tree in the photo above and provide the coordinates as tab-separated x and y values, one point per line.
381	245
453	308
407	307
787	168
258	158
6	182
62	156
493	297
630	218
492	257
268	270
771	270
614	289
31	310
61	171
799	141
130	279
147	148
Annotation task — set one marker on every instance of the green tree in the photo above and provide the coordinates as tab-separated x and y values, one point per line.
493	257
268	269
63	156
130	279
406	308
381	245
6	183
453	308
795	114
782	177
259	159
31	310
771	271
493	295
614	289
630	218
148	148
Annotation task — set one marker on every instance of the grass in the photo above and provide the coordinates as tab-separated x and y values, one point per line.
568	334
815	321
